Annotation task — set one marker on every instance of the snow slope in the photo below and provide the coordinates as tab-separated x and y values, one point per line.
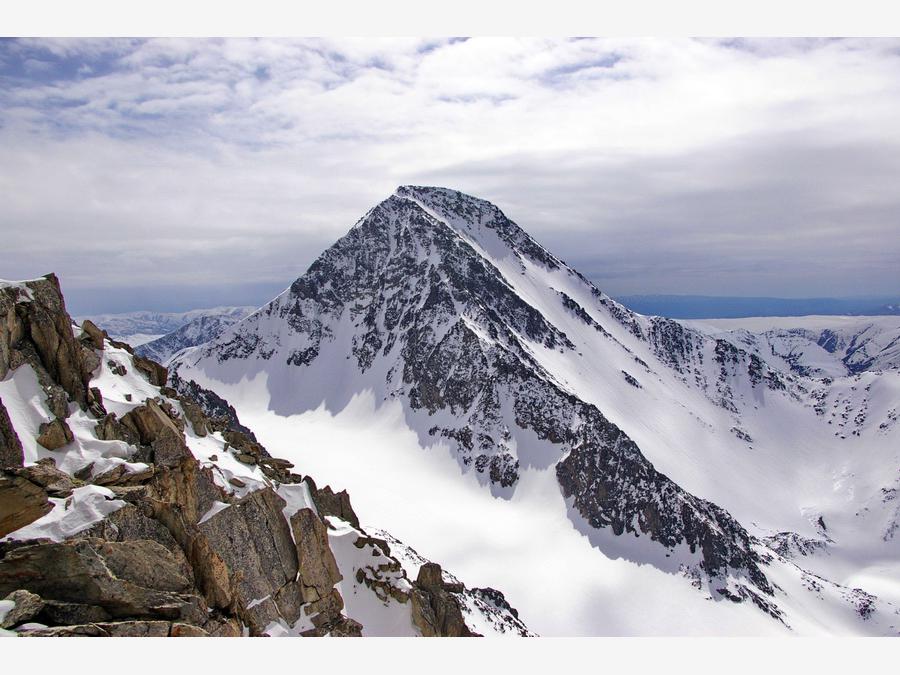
577	451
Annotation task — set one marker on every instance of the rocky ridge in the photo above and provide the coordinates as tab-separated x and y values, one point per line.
142	515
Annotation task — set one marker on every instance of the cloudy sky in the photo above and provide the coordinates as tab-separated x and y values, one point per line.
167	174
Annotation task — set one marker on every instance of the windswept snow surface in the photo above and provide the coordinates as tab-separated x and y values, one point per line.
788	455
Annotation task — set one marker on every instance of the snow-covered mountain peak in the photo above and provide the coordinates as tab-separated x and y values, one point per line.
642	431
477	221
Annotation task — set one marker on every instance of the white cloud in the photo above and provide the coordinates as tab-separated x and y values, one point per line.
758	167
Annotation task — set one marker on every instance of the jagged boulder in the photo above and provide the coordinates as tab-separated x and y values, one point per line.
330	503
59	613
55	434
121	476
325	614
90	359
156	374
275	468
135	522
21	502
187	630
195	415
169	448
91	334
153	424
345	627
11	453
147	421
244	445
435	610
122	345
26	606
95	403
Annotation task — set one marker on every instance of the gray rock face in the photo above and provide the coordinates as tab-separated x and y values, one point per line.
112	629
318	568
612	485
133	522
253	540
127	579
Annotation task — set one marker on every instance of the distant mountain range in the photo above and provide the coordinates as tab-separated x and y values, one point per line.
730	307
140	327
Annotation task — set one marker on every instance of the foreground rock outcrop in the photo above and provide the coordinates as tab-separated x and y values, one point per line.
163	520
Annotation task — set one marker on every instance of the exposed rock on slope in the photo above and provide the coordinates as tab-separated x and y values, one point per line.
36	329
153	518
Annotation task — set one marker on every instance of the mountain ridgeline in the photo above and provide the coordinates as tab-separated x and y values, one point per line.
435	298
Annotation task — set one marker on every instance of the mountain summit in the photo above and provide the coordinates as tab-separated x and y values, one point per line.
496	349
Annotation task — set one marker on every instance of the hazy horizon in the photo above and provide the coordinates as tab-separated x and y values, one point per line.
123	300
